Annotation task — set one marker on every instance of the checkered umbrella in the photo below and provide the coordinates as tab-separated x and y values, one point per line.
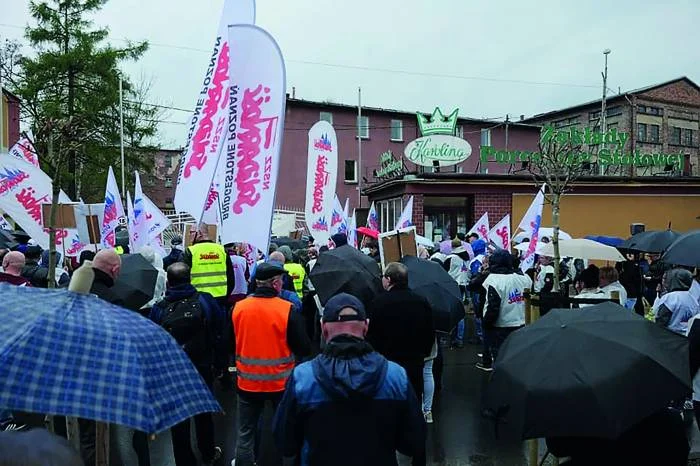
70	354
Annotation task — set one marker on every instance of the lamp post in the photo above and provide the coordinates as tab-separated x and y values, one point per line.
603	125
121	133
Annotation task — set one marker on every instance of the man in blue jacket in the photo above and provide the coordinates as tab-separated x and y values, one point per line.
349	388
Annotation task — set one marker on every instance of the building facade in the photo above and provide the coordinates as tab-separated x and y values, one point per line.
662	118
9	130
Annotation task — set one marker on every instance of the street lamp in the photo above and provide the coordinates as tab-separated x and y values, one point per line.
603	126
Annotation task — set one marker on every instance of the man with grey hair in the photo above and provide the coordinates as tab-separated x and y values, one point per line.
347	389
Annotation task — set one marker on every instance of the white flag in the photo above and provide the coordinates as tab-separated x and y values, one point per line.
352	232
215	117
156	222
500	234
140	222
481	227
259	93
132	226
24	150
531	223
321	175
23	190
406	219
373	218
114	210
346	208
339	224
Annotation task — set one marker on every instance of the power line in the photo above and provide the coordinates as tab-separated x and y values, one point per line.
377	69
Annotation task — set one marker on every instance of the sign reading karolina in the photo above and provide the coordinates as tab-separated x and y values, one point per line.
611	152
438	146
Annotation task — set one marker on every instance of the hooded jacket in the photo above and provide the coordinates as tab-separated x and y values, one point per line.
505	301
349	406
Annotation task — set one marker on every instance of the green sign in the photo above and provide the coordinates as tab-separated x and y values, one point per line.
610	153
388	165
438	146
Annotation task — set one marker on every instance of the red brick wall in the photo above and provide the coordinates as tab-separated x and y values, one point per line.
680	92
417	211
496	204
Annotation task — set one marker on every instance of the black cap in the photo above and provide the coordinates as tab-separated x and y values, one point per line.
331	313
266	271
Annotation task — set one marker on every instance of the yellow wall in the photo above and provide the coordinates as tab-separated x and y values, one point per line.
611	215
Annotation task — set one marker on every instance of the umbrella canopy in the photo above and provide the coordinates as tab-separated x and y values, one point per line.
651	241
685	250
71	354
345	269
293	244
136	282
368	232
430	280
7	241
593	372
21	236
613	241
582	249
544	232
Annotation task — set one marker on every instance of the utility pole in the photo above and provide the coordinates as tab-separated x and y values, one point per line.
121	132
603	125
359	147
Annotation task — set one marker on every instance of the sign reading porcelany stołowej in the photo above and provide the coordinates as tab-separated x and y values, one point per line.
438	145
607	148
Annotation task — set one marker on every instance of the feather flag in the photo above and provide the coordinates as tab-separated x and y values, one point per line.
114	210
531	223
481	227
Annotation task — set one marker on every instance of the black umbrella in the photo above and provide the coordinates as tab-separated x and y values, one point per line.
685	250
7	241
345	269
593	372
430	280
136	281
21	236
651	241
293	244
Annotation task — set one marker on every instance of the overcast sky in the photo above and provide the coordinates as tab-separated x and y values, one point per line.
487	58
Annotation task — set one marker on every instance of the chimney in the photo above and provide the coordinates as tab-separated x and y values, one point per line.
522	117
294	92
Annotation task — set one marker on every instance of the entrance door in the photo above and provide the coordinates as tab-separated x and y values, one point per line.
447	216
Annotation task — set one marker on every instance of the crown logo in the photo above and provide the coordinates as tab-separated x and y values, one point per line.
438	124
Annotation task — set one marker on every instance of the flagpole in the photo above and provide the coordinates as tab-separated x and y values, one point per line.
121	132
359	147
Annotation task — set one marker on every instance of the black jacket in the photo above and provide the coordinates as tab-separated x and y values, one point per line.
102	288
37	275
401	327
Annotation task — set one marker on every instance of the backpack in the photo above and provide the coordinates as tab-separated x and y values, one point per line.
186	323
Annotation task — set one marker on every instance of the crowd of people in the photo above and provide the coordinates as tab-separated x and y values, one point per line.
348	366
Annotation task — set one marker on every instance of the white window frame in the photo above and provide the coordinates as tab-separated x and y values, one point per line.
329	114
363	129
487	132
354	162
459	131
400	128
168	182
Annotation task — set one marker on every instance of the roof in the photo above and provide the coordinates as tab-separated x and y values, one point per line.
327	104
10	95
612	98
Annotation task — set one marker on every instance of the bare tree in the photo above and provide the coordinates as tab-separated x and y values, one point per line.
558	165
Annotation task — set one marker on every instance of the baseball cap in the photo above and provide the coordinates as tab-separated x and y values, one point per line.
331	312
266	271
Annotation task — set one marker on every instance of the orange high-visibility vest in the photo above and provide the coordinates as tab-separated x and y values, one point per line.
264	361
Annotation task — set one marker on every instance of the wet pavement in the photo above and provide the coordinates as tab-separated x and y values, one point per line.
459	435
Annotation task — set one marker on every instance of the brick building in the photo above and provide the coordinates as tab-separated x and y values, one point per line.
662	118
9	132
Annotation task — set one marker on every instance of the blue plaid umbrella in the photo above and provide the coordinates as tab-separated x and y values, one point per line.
76	355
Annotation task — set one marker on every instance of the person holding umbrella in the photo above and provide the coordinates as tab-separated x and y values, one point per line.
504	309
107	265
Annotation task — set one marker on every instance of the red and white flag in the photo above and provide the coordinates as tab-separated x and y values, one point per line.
258	92
406	219
531	223
210	135
24	150
114	210
321	175
481	227
500	234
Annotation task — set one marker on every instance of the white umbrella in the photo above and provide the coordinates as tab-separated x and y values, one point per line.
545	232
582	249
